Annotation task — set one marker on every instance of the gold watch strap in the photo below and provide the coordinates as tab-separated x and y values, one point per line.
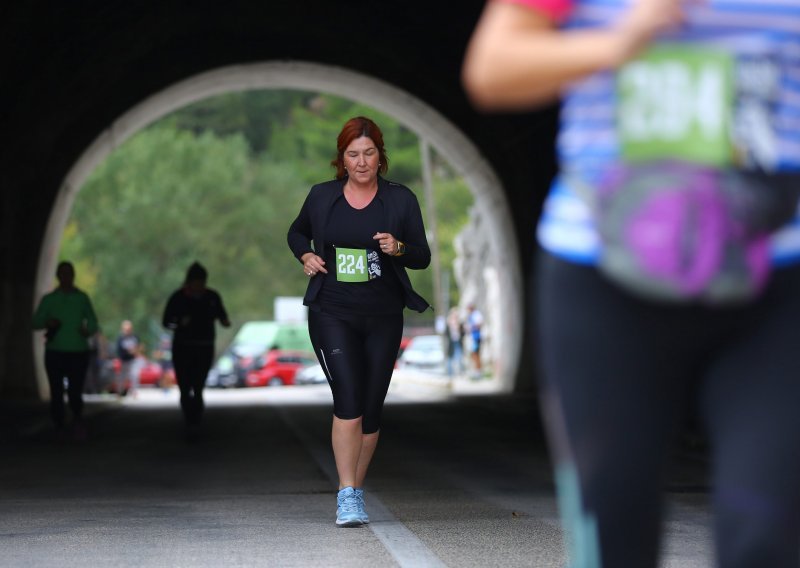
401	248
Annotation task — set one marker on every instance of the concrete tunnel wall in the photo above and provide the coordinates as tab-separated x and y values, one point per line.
77	76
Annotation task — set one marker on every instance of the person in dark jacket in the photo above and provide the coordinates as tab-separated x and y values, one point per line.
191	313
366	232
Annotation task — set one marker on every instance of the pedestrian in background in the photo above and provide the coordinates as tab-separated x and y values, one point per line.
454	329
191	313
366	231
474	326
67	316
136	367
163	356
679	155
127	349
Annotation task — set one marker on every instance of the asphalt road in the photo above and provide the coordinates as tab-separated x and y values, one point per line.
457	481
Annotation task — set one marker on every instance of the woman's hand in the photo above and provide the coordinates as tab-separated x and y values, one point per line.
313	264
646	19
389	244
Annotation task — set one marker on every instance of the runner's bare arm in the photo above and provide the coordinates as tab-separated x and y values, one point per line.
517	58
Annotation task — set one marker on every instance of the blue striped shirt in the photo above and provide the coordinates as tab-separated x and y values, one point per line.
763	40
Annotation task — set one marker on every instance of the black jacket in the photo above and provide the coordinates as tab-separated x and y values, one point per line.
192	318
403	221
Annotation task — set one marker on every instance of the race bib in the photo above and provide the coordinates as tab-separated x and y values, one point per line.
676	102
357	265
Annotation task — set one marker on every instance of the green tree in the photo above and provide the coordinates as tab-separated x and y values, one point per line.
253	114
165	199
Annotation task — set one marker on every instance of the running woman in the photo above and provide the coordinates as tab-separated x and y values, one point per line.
707	91
366	231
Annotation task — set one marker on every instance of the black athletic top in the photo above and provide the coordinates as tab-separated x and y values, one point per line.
402	218
192	317
350	228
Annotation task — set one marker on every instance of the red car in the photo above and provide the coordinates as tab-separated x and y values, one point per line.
151	373
278	367
154	374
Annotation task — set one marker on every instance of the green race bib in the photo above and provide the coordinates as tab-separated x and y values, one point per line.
676	102
357	265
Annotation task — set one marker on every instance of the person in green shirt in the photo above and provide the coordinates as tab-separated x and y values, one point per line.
67	316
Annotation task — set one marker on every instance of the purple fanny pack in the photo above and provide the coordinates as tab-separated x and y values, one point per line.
681	232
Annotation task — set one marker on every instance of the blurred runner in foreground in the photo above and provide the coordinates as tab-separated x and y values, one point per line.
668	271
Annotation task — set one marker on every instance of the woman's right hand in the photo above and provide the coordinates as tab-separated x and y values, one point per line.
313	264
645	20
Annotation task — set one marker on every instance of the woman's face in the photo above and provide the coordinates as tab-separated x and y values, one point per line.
361	158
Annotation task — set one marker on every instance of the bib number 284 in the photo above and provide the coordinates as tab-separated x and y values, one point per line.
675	103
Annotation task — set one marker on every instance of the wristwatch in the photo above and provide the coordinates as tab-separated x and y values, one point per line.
401	248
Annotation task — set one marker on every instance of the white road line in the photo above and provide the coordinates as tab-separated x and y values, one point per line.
404	546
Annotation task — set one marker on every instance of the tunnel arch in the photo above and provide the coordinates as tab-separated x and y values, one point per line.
424	120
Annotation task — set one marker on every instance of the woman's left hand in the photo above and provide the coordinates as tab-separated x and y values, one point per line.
388	243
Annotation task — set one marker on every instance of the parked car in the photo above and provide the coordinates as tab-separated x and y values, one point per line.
310	375
252	341
245	358
156	375
223	374
151	374
404	341
278	367
424	353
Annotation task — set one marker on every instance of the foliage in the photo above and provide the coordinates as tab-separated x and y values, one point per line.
253	114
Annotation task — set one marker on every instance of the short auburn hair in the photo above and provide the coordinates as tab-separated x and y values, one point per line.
356	128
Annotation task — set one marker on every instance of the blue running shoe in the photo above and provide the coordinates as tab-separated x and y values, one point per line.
348	512
360	497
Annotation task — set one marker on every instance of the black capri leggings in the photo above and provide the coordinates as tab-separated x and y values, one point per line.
73	366
358	355
619	373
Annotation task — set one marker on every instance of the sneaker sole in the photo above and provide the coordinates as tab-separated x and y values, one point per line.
349	524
